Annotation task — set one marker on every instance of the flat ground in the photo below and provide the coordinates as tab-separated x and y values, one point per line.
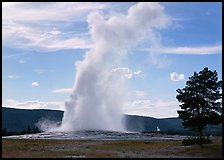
44	148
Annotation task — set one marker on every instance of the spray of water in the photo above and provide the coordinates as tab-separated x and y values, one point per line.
99	94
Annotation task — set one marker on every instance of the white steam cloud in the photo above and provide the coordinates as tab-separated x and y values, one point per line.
98	95
47	125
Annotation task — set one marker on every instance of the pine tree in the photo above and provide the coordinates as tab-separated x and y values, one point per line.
200	101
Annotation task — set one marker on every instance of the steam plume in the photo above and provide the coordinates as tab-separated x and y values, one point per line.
98	94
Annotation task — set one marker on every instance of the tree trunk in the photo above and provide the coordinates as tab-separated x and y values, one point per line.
200	135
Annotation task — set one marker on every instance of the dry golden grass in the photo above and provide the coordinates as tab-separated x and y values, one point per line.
31	148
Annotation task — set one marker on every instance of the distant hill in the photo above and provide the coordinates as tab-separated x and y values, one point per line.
19	119
146	124
166	125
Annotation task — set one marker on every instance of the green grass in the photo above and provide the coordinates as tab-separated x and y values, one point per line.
30	148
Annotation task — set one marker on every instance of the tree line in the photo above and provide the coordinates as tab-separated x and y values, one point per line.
27	130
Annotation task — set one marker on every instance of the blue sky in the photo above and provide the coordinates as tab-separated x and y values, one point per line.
42	42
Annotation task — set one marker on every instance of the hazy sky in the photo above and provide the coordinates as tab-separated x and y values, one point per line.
43	41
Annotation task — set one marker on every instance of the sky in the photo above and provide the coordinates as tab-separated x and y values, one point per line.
43	41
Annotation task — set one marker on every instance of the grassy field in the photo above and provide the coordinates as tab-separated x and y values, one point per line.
39	148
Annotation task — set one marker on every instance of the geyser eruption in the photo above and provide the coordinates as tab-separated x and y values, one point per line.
99	94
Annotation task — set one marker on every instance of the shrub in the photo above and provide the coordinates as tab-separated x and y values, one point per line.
194	141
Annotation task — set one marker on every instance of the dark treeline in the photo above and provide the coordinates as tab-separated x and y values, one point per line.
28	130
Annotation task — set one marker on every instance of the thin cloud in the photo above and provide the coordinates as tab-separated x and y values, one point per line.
49	40
39	71
42	71
22	61
216	49
8	4
33	104
49	11
126	72
138	72
138	94
158	54
72	43
18	28
62	90
13	76
11	56
152	108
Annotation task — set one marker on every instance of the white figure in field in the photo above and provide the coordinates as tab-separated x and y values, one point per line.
158	130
